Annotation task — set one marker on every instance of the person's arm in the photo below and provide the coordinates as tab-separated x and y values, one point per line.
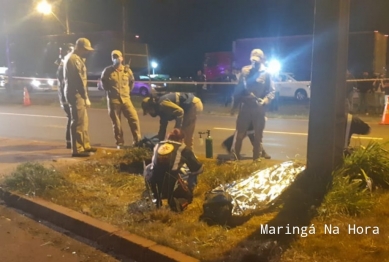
163	122
270	90
131	78
105	79
172	110
238	94
74	70
192	162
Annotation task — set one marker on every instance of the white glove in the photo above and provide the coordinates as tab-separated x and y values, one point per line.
87	102
261	101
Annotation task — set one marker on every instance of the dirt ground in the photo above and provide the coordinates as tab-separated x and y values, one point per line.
25	239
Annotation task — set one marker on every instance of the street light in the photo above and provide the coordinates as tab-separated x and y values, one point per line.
46	9
154	65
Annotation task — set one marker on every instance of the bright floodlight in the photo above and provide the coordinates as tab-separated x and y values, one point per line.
44	8
154	65
274	67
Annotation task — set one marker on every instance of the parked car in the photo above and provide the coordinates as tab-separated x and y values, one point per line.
287	86
42	84
142	86
3	80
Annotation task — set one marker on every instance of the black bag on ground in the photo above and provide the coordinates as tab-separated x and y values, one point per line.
182	196
217	207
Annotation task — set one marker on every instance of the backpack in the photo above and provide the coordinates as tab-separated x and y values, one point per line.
217	207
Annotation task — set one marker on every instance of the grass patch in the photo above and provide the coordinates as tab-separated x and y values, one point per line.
35	179
97	188
351	201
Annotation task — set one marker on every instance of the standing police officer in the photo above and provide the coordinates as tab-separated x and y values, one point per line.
255	90
181	107
118	82
61	93
76	93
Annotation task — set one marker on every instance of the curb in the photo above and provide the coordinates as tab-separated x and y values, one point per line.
105	235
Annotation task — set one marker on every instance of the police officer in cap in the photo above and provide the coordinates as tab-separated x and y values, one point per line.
118	81
255	89
76	93
61	93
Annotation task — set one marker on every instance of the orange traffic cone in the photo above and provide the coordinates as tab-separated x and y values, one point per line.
385	115
26	97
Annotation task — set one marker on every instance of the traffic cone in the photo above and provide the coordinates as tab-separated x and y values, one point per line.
26	97
385	115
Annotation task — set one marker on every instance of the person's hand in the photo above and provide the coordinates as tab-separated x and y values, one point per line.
87	102
261	101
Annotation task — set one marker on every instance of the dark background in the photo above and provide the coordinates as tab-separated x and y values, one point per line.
179	32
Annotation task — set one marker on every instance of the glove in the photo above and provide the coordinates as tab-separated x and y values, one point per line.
261	101
87	102
264	101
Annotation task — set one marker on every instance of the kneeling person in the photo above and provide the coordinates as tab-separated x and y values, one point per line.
164	178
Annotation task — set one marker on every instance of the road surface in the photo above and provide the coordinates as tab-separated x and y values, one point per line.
283	138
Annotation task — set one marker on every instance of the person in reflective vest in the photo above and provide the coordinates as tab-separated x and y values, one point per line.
163	174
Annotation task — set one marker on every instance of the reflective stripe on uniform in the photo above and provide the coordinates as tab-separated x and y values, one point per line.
178	157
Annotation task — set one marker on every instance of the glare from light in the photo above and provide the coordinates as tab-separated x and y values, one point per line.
44	8
50	82
274	67
35	82
154	64
137	36
153	85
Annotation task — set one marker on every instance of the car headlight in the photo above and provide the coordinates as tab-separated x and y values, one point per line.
50	82
153	85
35	82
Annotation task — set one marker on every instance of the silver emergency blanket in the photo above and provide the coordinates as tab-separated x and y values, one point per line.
262	187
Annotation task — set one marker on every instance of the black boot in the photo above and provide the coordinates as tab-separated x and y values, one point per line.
265	155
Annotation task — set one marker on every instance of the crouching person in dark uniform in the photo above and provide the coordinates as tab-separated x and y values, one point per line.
61	94
163	174
181	107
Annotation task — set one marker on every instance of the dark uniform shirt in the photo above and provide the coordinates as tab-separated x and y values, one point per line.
61	84
172	106
253	84
75	77
118	83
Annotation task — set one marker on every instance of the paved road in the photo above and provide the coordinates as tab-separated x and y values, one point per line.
283	138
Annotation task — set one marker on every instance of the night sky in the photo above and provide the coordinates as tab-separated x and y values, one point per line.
179	32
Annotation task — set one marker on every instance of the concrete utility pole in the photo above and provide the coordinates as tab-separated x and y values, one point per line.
327	118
